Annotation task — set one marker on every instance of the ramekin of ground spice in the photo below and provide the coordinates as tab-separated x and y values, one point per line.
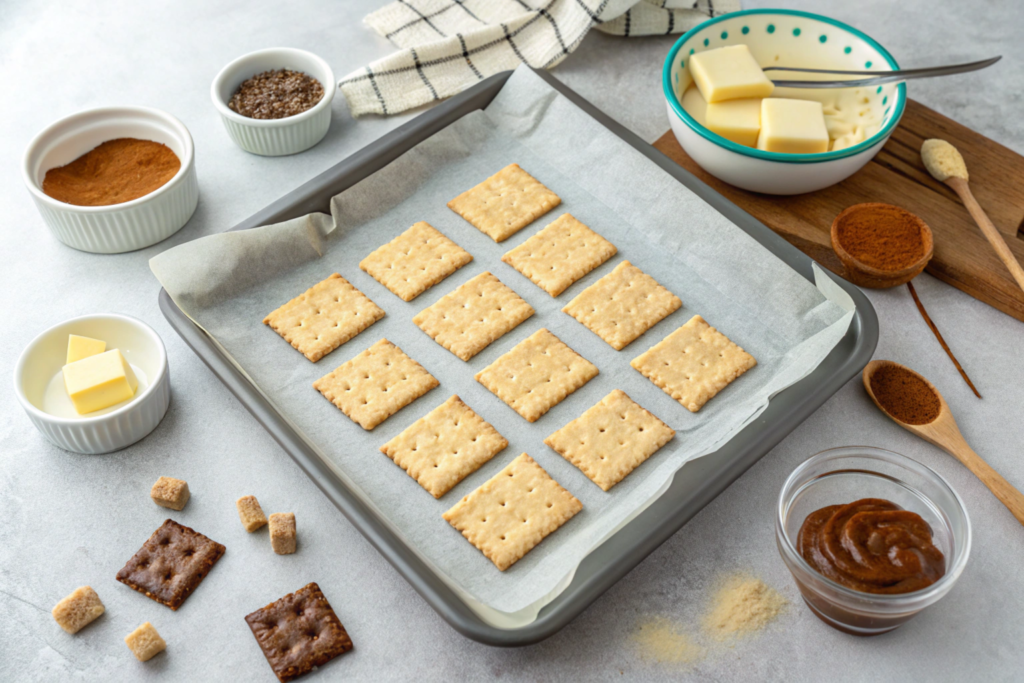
881	245
113	179
276	94
115	172
276	101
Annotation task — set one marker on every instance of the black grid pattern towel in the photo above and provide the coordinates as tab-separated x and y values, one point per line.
448	45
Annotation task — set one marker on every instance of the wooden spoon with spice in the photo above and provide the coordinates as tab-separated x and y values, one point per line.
946	165
912	402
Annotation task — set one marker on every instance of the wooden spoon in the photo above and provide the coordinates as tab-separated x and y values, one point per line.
943	432
946	165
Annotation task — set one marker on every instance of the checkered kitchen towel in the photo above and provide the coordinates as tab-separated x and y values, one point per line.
448	45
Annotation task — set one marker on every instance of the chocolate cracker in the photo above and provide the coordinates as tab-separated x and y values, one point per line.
299	632
171	564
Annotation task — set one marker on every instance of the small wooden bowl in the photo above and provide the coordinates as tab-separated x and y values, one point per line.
863	275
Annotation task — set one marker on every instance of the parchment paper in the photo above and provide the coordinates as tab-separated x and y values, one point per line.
227	283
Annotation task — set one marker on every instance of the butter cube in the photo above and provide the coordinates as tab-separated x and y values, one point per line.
736	120
83	347
694	105
792	126
729	73
99	381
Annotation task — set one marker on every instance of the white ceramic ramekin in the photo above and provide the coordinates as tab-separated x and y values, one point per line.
275	137
40	366
786	38
122	227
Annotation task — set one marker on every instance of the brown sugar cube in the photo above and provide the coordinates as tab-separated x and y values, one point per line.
250	512
145	643
282	532
78	610
171	493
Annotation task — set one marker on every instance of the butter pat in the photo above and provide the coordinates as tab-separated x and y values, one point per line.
694	105
99	381
792	126
736	120
83	347
729	73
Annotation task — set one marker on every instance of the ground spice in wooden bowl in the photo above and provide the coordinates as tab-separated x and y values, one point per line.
276	95
117	171
904	395
881	245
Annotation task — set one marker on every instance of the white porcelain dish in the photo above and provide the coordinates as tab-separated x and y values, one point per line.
275	137
788	38
39	385
122	227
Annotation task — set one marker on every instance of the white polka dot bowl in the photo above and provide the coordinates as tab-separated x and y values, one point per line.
786	38
275	137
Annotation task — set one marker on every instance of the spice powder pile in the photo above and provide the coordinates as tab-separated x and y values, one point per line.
743	604
276	95
115	172
904	395
883	237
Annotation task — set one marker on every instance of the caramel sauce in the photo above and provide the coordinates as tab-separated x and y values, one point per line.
871	545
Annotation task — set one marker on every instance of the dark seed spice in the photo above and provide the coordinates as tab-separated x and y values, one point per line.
276	95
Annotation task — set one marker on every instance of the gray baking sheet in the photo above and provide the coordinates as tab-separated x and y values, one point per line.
227	283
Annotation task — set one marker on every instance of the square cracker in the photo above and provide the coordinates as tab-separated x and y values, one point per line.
622	305
415	261
324	317
693	363
171	564
537	374
560	254
505	203
299	632
611	439
445	446
513	511
477	313
376	384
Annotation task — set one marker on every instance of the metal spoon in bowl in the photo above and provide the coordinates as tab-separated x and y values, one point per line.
877	77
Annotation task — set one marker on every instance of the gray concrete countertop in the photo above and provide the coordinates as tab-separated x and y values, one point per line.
68	520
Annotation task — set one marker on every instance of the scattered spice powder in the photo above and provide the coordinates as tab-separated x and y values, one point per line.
276	95
664	641
904	395
117	171
741	605
882	236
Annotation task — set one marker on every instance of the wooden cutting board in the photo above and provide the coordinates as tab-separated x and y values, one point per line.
963	257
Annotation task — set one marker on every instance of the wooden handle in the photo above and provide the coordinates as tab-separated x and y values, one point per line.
1002	489
961	187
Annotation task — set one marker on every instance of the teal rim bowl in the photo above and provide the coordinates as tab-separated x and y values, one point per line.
709	35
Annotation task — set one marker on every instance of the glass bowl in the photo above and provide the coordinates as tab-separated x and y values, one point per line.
843	475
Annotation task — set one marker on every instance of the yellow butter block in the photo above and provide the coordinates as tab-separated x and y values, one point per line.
736	120
729	73
83	347
99	381
792	126
694	104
